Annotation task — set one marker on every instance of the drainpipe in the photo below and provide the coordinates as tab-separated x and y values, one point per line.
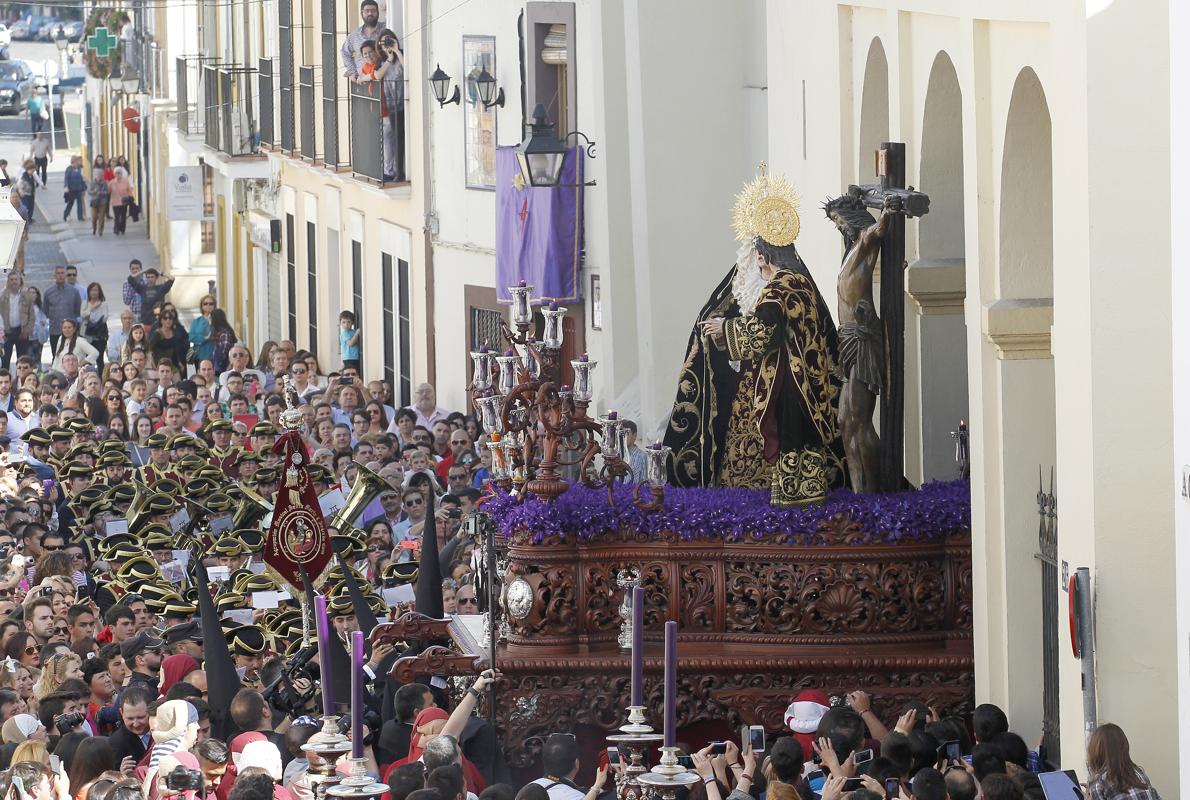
427	191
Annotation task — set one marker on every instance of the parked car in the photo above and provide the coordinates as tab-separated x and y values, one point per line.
16	86
40	26
19	30
45	31
5	35
73	30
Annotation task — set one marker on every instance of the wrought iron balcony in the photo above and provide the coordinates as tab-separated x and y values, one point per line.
267	101
192	93
308	86
370	127
231	110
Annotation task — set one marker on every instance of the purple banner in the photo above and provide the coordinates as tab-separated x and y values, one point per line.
539	231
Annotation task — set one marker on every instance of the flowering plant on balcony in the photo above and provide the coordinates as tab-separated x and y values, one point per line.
933	512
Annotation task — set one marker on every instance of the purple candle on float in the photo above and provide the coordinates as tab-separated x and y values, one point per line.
324	654
357	694
671	684
638	645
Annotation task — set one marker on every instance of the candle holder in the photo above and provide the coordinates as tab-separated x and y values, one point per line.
668	776
583	367
627	580
323	750
551	337
656	459
636	736
508	373
358	785
522	314
481	369
489	412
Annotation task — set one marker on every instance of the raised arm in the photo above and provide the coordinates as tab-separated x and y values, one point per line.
458	718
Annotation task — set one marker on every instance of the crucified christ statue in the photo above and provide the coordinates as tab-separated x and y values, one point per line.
861	335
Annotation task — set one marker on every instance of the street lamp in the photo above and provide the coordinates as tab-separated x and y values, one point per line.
12	229
485	84
542	154
440	83
62	43
129	81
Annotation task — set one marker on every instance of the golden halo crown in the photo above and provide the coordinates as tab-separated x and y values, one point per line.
767	207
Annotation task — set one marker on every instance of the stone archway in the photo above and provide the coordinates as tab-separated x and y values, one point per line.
1027	195
873	114
937	279
1019	410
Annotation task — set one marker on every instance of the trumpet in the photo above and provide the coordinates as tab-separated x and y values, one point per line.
368	486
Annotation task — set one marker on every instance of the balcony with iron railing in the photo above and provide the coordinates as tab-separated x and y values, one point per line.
313	112
230	109
192	93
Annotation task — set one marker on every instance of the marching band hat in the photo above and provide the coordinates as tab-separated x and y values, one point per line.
248	455
59	433
140	567
251	582
36	436
92	494
263	428
82	448
340	606
76	469
218	501
157	441
178	607
113	459
253	540
80	425
265	475
248	640
121	493
229	600
157	538
228	547
166	487
97	507
180	440
220	425
404	572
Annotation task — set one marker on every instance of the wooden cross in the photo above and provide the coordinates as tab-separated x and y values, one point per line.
890	169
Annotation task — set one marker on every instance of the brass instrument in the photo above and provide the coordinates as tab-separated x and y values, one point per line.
140	501
367	487
252	509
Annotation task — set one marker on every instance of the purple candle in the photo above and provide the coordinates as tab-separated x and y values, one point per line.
638	645
671	684
357	694
324	654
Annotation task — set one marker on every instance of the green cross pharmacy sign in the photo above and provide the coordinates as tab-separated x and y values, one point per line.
102	42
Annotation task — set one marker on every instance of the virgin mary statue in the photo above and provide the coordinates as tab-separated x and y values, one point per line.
757	395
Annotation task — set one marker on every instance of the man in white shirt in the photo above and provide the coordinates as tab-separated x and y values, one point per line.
22	417
115	342
5	390
425	403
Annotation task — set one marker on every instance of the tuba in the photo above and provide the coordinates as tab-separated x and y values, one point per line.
140	501
253	508
368	486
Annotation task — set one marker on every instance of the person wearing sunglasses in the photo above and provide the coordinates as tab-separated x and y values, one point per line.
466	600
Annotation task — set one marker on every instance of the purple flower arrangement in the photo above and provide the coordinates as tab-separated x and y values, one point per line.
935	511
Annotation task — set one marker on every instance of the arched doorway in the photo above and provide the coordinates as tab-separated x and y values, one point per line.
937	279
873	114
1019	420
